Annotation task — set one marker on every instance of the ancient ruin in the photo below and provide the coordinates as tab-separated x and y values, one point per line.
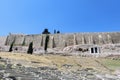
19	64
90	43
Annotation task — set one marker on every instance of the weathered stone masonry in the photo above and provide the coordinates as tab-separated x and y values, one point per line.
63	40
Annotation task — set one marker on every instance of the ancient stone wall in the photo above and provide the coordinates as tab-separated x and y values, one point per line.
2	41
63	40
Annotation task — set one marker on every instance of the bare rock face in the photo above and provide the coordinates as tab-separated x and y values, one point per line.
80	48
4	48
20	49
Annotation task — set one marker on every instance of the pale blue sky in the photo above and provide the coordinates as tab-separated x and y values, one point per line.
32	16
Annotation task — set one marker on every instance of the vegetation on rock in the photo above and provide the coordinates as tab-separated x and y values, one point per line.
45	31
30	49
46	42
11	46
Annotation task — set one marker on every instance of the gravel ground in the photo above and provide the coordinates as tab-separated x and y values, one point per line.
18	72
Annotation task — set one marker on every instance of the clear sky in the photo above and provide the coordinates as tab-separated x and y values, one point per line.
32	16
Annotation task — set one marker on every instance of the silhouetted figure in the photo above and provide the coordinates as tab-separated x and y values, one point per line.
45	31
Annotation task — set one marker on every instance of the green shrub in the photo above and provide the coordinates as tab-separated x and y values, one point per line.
30	49
11	46
45	31
46	42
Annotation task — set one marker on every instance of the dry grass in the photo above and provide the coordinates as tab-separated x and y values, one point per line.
58	61
111	64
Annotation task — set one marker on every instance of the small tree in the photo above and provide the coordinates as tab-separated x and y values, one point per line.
58	32
11	46
46	42
30	49
45	31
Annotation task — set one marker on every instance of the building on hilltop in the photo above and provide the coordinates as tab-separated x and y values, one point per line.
95	42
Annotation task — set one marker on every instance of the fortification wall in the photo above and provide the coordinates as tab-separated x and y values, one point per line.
2	41
63	40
